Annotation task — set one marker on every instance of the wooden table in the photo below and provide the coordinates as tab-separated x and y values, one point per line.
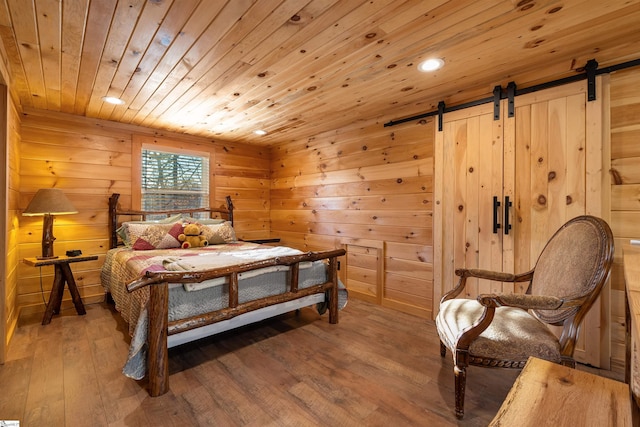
631	261
548	394
62	275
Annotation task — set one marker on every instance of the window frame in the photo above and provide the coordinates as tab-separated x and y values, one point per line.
140	143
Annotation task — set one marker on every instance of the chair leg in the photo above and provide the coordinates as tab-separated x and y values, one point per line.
460	383
443	349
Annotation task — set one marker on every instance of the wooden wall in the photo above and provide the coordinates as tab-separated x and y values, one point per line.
10	181
364	187
90	159
369	189
625	191
11	245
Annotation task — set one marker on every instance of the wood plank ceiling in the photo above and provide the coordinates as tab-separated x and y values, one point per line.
223	69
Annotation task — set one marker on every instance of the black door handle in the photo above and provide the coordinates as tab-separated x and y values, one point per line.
496	205
507	205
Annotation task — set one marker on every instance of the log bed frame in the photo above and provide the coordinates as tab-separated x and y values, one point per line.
160	329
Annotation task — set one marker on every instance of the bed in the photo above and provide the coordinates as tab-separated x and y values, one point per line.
170	296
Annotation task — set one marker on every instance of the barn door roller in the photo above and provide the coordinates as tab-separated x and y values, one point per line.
440	114
590	68
511	95
497	94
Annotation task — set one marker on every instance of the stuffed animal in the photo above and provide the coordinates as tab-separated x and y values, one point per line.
192	237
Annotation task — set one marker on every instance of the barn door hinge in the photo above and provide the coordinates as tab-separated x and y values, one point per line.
497	94
590	68
440	115
511	95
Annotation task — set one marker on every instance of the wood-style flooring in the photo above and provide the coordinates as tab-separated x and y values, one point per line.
377	367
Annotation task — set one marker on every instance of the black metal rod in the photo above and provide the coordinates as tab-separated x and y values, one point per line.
535	88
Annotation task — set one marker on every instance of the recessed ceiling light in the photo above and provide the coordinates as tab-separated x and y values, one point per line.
260	132
113	100
432	64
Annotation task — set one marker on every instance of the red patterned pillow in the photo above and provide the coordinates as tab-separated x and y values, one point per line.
156	236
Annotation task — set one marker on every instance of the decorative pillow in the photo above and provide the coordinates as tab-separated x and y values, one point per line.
217	234
123	230
155	236
204	221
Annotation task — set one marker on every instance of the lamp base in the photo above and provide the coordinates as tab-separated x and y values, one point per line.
47	238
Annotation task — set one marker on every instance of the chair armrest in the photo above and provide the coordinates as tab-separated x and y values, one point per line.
525	301
528	302
495	275
483	274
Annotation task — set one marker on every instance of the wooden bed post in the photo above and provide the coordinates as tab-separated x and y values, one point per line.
158	352
233	290
333	299
230	208
113	220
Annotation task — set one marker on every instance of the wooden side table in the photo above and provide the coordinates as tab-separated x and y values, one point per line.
549	394
62	275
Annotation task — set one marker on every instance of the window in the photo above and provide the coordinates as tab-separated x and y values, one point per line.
174	180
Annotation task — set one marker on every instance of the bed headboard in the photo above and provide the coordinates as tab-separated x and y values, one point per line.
114	213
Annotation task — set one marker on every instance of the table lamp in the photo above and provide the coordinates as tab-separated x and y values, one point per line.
48	202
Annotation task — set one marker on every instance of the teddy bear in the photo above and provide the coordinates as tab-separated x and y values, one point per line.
192	237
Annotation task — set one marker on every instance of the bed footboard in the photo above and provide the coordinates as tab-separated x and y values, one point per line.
160	327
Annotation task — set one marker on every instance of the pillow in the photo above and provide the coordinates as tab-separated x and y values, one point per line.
202	221
217	234
123	230
155	236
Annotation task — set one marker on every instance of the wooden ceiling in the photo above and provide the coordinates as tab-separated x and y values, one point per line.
223	69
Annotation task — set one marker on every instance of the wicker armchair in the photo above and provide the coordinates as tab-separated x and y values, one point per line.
503	330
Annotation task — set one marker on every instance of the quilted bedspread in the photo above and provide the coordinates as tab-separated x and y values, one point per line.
123	265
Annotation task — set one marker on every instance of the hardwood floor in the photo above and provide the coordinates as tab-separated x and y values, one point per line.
377	367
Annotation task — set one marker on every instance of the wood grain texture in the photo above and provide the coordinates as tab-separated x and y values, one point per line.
385	368
551	394
632	292
9	309
293	68
91	159
314	106
275	372
369	189
624	181
547	159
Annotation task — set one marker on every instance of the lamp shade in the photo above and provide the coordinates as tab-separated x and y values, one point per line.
50	201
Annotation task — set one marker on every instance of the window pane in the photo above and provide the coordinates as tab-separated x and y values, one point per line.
174	181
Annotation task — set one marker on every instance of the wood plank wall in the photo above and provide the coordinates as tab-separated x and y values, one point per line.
369	189
13	188
625	192
11	181
90	159
364	186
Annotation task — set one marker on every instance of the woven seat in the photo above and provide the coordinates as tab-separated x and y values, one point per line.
504	330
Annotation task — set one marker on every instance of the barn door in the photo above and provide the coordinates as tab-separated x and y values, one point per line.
503	187
469	180
556	151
